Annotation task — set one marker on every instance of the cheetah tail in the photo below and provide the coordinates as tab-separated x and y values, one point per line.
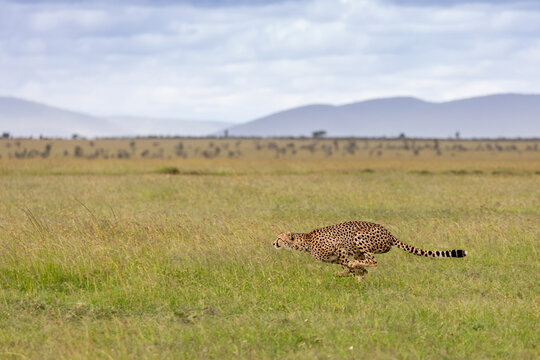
430	253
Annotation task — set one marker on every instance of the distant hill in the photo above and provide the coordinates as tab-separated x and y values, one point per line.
504	115
27	118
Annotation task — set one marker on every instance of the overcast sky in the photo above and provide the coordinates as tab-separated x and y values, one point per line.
238	60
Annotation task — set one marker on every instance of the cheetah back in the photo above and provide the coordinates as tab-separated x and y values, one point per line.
355	236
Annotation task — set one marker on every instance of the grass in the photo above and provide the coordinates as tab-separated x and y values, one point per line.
171	170
110	259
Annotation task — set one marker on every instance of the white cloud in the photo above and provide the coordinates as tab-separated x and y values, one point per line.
238	62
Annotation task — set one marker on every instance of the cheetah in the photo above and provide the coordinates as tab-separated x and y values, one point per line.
359	239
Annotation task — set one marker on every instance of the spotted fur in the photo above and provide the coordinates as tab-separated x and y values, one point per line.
358	239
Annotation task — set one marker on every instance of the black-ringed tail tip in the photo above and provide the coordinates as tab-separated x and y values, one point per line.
360	240
430	253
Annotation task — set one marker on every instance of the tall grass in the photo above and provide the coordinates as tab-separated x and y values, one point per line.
142	265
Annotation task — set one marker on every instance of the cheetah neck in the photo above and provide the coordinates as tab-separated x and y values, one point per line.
304	241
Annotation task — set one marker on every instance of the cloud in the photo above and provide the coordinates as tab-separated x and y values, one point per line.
447	3
235	61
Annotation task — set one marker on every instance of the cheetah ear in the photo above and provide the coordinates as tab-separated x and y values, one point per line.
291	237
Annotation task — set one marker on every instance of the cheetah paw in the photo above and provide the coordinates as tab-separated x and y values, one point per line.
360	271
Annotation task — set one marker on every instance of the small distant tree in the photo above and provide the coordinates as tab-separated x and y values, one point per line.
351	147
403	137
436	146
5	135
78	151
457	134
319	134
179	149
47	151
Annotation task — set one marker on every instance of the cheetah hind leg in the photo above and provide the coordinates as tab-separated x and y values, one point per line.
369	260
360	271
351	268
357	271
347	271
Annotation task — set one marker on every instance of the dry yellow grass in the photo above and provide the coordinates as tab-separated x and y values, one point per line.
267	155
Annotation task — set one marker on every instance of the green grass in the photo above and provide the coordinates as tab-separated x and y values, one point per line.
171	170
142	265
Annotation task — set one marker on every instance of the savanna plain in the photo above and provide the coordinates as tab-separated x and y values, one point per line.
162	248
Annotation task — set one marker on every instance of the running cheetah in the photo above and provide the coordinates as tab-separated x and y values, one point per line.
359	239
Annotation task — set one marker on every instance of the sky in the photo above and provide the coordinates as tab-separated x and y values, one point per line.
238	60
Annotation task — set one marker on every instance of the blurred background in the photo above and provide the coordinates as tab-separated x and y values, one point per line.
373	68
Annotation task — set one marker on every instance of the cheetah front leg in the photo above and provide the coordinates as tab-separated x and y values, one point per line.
343	260
338	256
346	272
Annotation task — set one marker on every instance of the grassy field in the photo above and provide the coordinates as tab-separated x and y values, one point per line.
114	258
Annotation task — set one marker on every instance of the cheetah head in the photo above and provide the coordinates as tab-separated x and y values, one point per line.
285	240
